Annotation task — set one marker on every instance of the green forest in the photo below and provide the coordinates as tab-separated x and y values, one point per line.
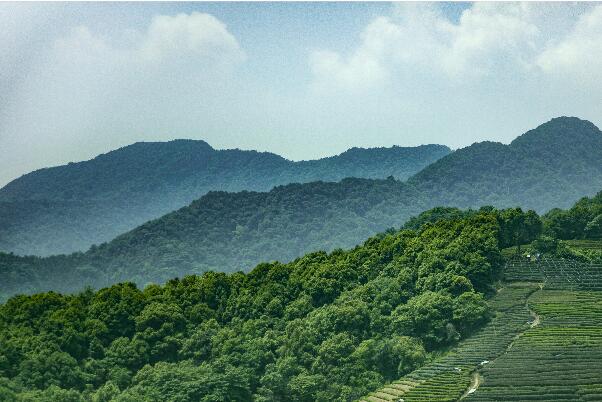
170	310
323	327
233	232
225	232
326	326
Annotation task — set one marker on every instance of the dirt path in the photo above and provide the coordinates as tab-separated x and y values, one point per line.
477	379
474	384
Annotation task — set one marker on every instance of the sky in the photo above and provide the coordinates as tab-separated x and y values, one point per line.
303	80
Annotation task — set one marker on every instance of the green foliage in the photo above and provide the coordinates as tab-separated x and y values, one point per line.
433	215
282	224
517	227
325	327
582	221
546	167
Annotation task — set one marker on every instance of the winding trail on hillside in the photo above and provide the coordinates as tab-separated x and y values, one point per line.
477	379
474	384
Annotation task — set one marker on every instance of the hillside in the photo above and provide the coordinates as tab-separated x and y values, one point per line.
69	208
229	232
433	313
550	166
325	327
544	342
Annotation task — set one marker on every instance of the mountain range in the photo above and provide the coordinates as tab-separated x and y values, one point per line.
550	166
558	161
69	208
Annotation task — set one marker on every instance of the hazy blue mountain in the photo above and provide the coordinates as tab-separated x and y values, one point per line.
226	232
550	166
69	208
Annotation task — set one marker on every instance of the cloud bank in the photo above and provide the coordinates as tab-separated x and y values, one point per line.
523	40
87	92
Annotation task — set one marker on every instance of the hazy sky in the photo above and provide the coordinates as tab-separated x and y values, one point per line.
303	80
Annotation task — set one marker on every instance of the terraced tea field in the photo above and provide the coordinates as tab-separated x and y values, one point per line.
559	360
449	377
555	273
544	344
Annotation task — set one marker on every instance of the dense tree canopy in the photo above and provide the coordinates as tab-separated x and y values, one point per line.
324	327
582	221
226	232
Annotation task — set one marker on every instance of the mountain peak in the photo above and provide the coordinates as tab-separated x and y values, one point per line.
172	144
560	131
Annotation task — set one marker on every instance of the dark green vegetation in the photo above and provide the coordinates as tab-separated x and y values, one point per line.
582	221
406	304
228	232
69	208
550	166
324	327
544	342
224	232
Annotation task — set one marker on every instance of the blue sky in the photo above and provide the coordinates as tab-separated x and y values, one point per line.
304	80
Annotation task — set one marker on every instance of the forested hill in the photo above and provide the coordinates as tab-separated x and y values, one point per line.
229	232
71	207
550	166
325	327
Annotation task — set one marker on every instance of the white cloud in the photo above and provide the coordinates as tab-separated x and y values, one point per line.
577	56
489	40
198	39
365	67
200	35
488	37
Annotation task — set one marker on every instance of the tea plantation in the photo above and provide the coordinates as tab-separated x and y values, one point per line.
543	344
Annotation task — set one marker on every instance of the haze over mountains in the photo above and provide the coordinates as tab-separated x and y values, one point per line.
235	231
69	208
550	166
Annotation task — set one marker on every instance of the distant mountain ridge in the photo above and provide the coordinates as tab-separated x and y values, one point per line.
550	166
225	231
69	208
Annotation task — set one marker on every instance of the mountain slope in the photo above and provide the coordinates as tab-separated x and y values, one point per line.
233	231
71	207
550	166
325	327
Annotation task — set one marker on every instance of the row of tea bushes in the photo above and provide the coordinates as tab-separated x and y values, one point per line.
448	377
558	360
